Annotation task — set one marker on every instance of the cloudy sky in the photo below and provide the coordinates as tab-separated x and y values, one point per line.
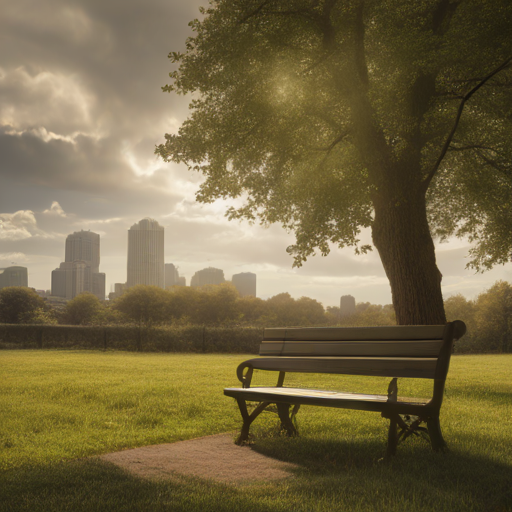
81	111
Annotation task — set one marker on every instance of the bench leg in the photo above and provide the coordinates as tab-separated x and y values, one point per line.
248	418
392	436
284	415
436	437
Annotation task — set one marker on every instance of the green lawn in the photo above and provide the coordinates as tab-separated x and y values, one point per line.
59	408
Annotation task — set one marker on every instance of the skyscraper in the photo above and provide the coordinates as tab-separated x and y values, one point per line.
245	283
208	275
84	246
146	254
171	275
13	276
80	271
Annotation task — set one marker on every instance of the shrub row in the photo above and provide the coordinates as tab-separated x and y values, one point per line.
193	338
155	339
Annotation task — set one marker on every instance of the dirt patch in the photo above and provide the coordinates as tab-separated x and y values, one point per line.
213	457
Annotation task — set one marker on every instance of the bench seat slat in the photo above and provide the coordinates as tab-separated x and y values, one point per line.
398	332
399	348
327	399
422	368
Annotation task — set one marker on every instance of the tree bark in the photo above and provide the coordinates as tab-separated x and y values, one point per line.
401	234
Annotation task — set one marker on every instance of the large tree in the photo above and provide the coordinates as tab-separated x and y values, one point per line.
329	116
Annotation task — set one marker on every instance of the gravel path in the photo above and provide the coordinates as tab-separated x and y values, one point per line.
213	457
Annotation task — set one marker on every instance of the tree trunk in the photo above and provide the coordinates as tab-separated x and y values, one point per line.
401	234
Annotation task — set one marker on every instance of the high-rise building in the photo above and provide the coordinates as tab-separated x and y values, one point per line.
171	275
245	283
208	275
84	246
80	270
146	254
347	305
13	276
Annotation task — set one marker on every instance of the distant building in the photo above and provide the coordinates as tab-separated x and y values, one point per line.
206	276
84	246
245	283
347	305
182	281
119	289
171	275
13	276
80	271
146	254
99	285
69	280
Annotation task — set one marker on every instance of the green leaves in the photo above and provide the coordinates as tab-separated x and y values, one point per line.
317	111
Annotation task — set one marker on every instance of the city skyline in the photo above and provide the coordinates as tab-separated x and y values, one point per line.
81	113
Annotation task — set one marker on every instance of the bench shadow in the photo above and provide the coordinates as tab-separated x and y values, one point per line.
467	482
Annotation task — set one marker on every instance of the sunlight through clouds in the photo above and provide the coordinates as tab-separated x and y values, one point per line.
18	226
52	105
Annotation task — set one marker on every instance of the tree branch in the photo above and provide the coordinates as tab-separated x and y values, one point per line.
470	146
465	99
322	58
504	169
333	144
255	12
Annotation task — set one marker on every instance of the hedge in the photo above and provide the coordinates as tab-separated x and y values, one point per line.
154	339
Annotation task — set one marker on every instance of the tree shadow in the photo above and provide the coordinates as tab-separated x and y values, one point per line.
332	476
94	485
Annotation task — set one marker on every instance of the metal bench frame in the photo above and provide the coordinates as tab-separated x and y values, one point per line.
397	351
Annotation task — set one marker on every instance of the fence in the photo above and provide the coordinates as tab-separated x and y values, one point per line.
154	339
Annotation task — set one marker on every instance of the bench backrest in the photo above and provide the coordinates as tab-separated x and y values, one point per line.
399	351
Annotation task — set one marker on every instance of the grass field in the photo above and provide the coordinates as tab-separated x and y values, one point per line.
60	408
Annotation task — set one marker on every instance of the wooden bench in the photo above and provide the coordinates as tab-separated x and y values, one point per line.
419	352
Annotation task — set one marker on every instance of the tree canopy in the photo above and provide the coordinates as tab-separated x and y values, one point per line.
144	305
84	309
20	305
330	116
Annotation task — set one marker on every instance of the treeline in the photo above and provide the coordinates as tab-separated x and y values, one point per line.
216	306
488	318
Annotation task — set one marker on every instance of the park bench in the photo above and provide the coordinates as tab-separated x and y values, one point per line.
412	351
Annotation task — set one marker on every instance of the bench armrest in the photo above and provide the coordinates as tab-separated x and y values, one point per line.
459	329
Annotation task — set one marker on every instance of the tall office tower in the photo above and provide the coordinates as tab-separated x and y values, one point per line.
84	246
347	305
171	275
208	275
245	283
13	276
146	254
80	270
